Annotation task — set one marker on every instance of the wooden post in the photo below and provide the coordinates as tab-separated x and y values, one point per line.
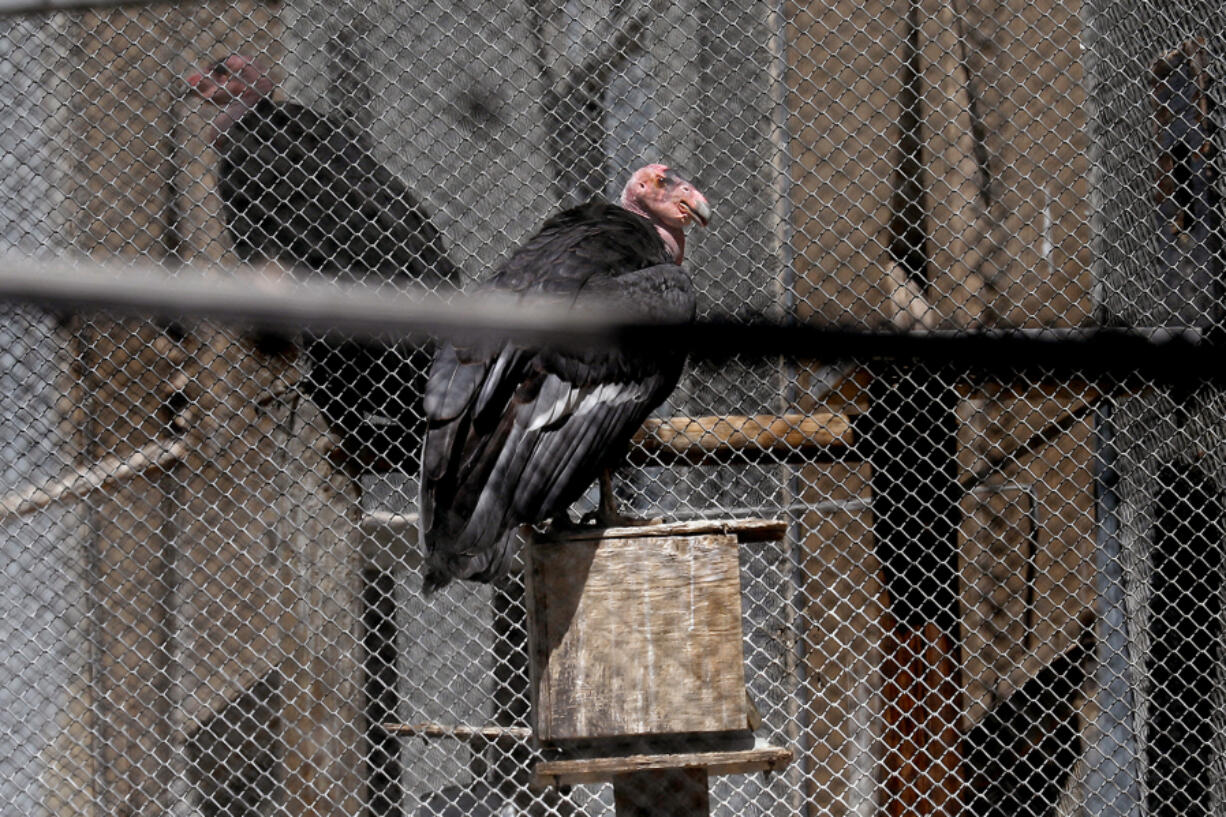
635	640
383	771
911	441
670	793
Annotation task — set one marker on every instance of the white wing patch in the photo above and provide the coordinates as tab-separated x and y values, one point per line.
555	400
558	399
610	394
493	379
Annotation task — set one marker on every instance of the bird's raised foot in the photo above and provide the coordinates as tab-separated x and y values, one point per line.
563	523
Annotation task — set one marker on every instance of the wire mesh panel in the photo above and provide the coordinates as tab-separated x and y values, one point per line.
992	589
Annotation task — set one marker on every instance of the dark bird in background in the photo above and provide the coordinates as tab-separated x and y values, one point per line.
303	189
516	434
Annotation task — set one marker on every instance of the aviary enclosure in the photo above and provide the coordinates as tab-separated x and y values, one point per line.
993	581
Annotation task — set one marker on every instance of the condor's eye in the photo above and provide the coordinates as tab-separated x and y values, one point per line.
660	182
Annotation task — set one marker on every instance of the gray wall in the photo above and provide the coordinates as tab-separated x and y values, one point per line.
1152	431
43	595
1122	40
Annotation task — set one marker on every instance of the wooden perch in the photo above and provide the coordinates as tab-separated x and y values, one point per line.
105	473
393	521
745	530
762	757
736	438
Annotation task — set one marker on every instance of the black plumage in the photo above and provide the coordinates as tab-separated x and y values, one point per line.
516	434
303	189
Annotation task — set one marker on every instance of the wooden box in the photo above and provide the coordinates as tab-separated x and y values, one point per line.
637	631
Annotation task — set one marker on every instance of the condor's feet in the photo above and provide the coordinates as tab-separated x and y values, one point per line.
606	514
562	523
601	518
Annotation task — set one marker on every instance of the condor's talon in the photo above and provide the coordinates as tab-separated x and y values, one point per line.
563	523
620	521
607	515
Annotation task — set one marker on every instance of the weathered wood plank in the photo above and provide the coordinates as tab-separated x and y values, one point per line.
761	758
636	635
706	440
746	530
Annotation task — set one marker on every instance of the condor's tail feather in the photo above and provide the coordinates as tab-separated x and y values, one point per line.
491	564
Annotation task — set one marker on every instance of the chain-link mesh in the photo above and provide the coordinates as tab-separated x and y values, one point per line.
993	593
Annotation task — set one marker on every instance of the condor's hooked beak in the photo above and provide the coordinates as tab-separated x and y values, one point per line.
695	206
193	82
691	204
203	85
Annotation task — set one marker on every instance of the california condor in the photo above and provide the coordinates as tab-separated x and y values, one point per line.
303	189
515	434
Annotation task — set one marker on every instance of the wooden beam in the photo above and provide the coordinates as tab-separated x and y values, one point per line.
459	732
1034	662
822	436
738	438
1080	405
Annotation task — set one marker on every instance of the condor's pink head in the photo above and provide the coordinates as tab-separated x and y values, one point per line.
235	85
668	201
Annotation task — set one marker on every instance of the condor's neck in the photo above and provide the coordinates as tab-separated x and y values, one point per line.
673	237
232	113
674	240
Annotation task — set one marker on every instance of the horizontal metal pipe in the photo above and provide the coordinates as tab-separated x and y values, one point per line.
251	299
12	8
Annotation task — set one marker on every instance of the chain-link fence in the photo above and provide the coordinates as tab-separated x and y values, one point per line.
992	590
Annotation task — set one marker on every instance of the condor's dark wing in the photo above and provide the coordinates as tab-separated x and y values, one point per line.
303	189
